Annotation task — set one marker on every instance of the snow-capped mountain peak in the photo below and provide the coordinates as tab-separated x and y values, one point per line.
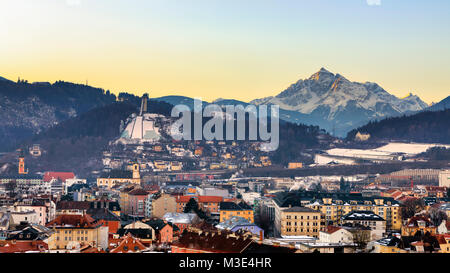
341	102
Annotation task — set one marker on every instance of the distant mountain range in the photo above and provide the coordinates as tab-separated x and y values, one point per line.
331	102
340	105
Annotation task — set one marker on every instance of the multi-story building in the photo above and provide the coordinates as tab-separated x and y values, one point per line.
163	203
297	221
38	206
136	199
123	196
368	219
444	178
229	209
335	205
70	230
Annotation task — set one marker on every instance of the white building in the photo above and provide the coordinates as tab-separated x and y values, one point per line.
444	179
72	181
19	215
336	235
368	219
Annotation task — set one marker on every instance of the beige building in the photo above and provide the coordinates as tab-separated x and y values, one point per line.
115	177
297	221
444	179
334	209
163	204
73	230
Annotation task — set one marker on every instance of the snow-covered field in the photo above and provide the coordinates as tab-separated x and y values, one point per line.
387	152
408	148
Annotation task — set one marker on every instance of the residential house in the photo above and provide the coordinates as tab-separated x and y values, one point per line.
335	235
129	244
165	231
420	224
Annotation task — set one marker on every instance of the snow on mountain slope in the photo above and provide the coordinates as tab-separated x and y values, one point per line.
341	103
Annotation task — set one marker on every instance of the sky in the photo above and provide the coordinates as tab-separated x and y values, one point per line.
241	49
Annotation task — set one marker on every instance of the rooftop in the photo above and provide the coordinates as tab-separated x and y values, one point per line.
362	216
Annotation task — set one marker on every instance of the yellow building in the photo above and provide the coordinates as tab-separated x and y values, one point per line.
334	206
71	230
161	165
124	202
295	165
418	223
116	177
389	245
297	221
231	209
176	166
334	209
444	243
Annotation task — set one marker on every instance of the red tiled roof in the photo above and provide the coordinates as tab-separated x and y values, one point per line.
404	198
413	221
22	246
129	244
332	229
138	191
91	249
68	220
435	188
397	194
210	199
80	205
48	176
441	239
200	199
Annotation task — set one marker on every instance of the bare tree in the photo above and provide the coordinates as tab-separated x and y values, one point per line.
361	238
412	206
437	216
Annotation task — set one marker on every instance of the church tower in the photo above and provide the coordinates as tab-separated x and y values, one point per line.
22	163
136	173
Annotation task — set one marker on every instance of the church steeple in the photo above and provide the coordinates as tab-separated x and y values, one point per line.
22	163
